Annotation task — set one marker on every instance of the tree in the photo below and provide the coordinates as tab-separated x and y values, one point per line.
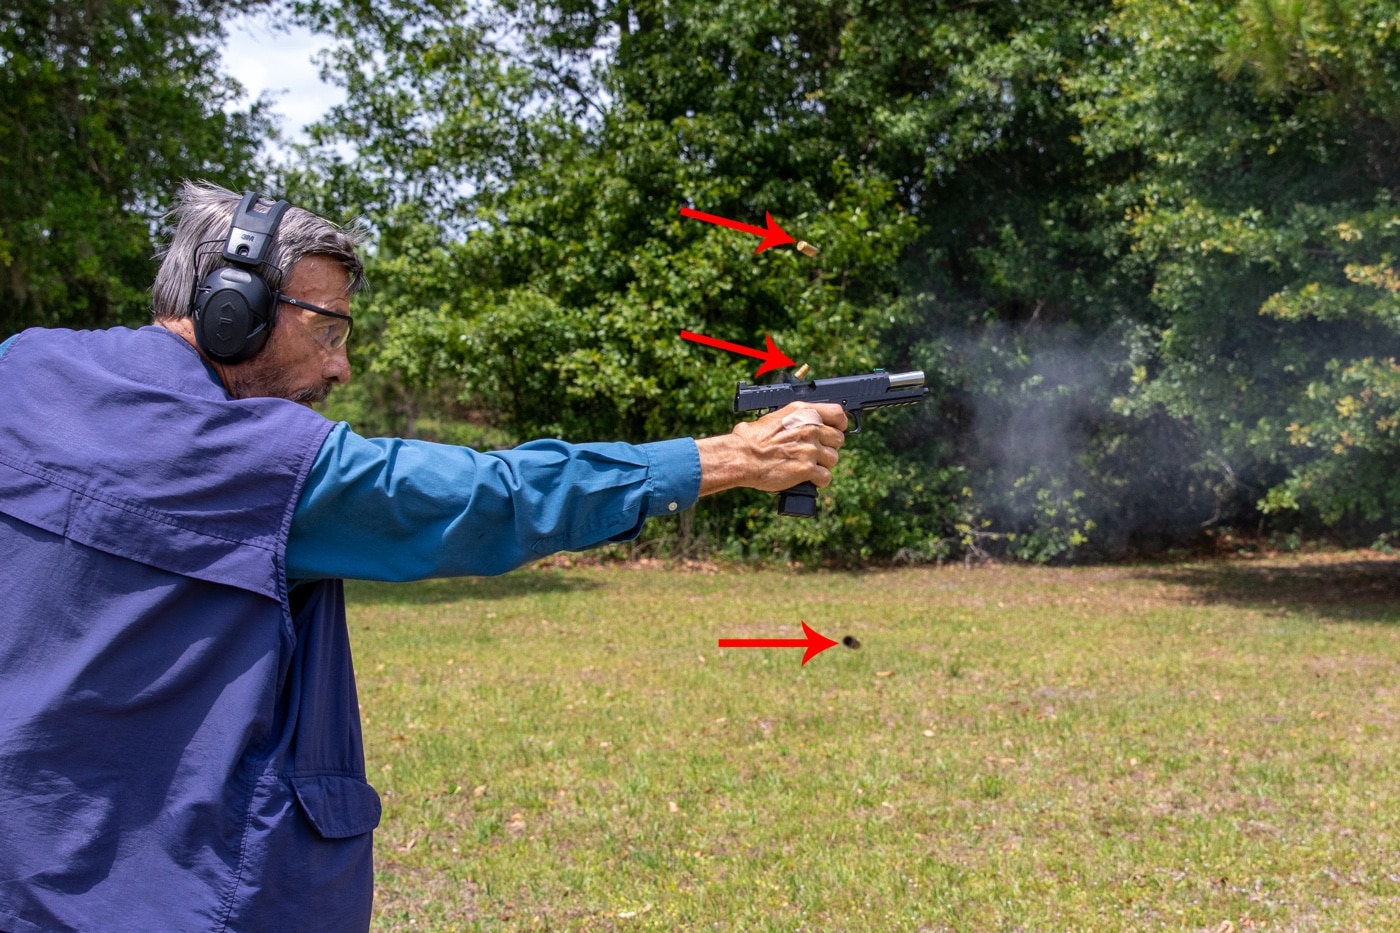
525	162
105	105
1265	218
1145	251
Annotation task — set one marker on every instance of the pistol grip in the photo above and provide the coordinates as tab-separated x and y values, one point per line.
800	500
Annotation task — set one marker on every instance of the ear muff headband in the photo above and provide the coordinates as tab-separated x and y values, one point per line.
232	306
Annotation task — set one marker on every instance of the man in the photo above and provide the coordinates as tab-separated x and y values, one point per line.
179	735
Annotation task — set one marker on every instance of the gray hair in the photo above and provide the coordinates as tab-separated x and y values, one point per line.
202	215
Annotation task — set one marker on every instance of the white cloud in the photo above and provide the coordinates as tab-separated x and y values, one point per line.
281	61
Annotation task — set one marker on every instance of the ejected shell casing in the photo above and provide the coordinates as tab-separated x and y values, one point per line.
807	249
802	372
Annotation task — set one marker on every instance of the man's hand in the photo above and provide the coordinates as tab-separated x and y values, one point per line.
792	445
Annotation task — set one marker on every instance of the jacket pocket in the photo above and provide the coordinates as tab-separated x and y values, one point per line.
338	806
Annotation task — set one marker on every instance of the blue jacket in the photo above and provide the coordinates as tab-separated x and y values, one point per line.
146	629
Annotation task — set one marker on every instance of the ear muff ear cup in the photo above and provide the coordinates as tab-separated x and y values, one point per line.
232	314
233	307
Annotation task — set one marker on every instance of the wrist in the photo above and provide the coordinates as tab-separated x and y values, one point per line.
723	463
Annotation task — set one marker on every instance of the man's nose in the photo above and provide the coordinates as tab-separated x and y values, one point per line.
337	367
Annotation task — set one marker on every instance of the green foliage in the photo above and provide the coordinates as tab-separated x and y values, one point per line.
541	153
563	358
880	505
1337	57
1265	217
1145	252
104	107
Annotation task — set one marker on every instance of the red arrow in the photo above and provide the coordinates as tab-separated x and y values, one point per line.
773	358
815	643
773	235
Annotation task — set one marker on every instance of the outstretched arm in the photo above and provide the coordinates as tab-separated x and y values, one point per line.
393	509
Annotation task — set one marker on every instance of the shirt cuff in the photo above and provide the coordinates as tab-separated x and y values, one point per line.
673	470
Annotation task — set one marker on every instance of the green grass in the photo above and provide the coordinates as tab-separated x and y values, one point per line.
1193	747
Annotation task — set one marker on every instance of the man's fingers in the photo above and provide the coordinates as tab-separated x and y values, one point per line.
825	436
809	422
822	439
779	450
800	442
827	412
834	415
795	419
817	433
821	453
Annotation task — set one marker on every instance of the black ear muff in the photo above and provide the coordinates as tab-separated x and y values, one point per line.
231	314
232	306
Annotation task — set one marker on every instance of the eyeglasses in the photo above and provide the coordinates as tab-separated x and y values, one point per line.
332	337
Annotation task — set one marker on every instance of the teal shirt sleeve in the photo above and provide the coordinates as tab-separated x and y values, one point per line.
393	509
6	345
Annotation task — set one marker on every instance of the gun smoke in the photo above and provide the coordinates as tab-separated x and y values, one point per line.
1048	456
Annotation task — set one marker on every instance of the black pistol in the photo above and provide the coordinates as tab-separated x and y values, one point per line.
853	393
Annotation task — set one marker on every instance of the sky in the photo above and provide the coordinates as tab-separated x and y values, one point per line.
263	59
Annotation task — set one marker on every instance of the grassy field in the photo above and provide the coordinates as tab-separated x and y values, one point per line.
1206	746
